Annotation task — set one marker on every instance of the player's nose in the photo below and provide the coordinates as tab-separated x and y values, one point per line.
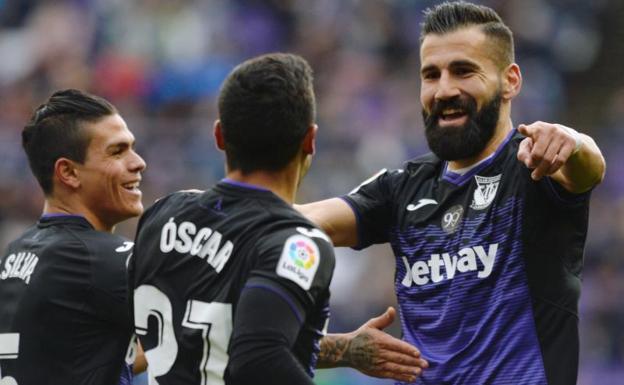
447	87
137	163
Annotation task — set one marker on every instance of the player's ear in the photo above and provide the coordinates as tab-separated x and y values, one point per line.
309	140
512	81
66	172
218	134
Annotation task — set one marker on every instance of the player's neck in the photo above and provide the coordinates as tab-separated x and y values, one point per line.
59	206
282	183
502	130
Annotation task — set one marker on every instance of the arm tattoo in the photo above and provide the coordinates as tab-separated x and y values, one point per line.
339	350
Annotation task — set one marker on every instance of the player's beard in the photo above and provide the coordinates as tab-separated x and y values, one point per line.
466	141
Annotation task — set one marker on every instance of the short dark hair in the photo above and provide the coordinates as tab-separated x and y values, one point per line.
266	106
55	131
451	16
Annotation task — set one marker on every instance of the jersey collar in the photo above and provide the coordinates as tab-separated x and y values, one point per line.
459	179
243	184
51	219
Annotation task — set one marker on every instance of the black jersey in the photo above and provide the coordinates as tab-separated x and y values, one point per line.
488	267
197	251
63	305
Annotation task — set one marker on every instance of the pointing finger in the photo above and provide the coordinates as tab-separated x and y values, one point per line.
549	157
564	154
524	152
524	130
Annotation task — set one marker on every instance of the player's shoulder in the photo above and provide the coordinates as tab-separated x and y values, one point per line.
302	229
87	252
387	181
29	233
105	242
410	168
295	234
182	195
106	250
174	199
302	254
75	239
107	256
169	205
285	220
425	161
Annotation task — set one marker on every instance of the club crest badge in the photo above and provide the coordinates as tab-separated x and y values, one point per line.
485	192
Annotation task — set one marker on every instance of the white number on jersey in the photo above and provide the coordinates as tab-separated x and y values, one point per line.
9	348
212	320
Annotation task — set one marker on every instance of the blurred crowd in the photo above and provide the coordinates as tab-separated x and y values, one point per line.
161	63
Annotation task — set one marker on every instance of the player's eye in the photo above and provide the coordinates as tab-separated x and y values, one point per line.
463	71
430	75
117	151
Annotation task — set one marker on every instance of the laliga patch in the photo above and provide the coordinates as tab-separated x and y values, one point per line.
485	192
299	261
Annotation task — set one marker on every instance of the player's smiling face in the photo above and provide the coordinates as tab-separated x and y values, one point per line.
460	92
111	174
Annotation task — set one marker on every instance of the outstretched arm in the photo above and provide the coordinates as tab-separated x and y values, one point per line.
570	158
373	352
335	217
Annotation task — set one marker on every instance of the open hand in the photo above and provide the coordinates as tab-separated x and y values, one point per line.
378	354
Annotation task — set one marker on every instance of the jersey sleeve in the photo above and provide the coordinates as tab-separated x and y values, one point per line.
372	203
265	329
290	278
562	197
549	189
297	263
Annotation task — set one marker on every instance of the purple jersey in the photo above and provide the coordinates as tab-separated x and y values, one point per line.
488	267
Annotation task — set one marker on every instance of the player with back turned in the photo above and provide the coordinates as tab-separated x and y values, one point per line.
63	291
488	230
231	284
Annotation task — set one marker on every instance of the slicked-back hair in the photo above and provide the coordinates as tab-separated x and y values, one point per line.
451	16
266	106
55	130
